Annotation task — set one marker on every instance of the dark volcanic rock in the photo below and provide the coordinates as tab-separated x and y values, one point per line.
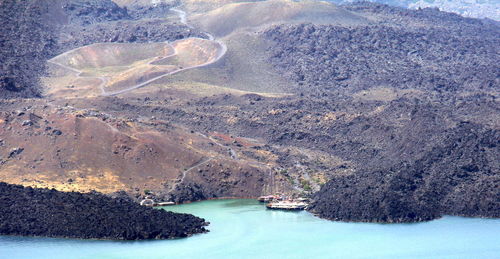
26	41
103	21
189	192
159	10
85	12
43	212
460	177
419	49
125	31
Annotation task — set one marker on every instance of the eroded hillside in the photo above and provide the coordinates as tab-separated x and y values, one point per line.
81	150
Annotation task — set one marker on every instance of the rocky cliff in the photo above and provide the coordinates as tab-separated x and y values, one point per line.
459	177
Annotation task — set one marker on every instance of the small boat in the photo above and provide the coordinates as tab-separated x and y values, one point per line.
151	203
268	198
165	203
287	205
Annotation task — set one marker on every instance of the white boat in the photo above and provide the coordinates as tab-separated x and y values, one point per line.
287	205
165	203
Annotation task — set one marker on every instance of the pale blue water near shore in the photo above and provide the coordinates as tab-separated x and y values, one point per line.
245	229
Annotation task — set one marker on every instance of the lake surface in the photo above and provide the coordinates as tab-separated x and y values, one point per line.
245	229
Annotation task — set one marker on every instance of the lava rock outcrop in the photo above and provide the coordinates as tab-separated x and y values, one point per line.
125	31
85	12
159	10
459	177
26	43
50	213
419	49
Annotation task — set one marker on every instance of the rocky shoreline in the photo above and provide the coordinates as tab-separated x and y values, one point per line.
49	213
459	178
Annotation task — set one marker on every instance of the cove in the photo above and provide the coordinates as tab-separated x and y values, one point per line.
246	229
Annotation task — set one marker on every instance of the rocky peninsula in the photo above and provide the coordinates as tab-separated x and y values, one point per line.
49	213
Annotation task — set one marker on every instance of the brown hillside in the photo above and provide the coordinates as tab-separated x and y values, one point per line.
252	15
85	150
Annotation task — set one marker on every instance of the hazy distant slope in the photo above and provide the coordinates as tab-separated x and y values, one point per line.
34	31
470	8
202	6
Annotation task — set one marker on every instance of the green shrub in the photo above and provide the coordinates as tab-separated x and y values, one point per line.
306	185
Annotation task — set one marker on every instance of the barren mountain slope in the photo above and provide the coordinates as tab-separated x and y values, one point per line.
256	15
83	150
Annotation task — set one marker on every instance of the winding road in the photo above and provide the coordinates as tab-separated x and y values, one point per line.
183	19
79	73
185	172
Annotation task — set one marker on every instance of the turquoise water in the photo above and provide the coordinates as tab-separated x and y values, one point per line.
245	229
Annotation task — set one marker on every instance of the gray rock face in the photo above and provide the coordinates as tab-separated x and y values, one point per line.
459	176
85	12
123	32
159	10
326	58
26	42
420	49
